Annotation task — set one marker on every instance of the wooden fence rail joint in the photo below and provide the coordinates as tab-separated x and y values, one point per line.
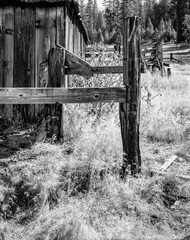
51	88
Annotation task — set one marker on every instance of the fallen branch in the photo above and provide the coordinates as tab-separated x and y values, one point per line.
184	177
168	163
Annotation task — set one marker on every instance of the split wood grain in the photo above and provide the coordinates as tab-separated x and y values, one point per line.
61	95
130	110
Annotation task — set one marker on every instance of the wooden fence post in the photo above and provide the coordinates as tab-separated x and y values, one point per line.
56	69
63	83
130	110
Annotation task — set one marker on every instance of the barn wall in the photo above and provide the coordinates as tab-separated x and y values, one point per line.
74	35
26	35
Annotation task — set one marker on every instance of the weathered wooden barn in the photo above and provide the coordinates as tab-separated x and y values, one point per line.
29	29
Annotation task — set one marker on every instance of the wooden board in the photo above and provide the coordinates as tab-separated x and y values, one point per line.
46	21
7	52
60	95
73	61
1	47
1	55
24	47
94	70
9	45
130	110
24	55
168	163
61	26
70	35
45	27
56	67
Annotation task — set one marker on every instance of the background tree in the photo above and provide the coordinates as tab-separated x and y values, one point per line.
89	20
149	32
186	31
164	17
178	10
162	27
82	9
95	14
100	37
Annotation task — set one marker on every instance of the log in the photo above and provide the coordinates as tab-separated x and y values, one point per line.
130	110
61	95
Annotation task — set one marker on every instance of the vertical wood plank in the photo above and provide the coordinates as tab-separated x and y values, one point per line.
67	39
8	32
61	25
45	27
61	39
45	32
50	28
24	47
24	55
56	79
9	45
1	55
56	65
130	111
63	107
124	107
2	42
66	29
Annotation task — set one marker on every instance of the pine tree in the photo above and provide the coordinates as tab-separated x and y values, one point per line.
179	8
89	19
82	9
162	27
100	37
148	9
100	22
108	3
186	31
149	31
95	13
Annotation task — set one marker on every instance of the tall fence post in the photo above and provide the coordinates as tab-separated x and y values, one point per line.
130	110
56	79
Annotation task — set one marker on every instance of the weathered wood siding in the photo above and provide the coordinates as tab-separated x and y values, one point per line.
7	51
27	33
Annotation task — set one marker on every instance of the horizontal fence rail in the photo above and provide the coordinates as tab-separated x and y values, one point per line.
94	70
61	95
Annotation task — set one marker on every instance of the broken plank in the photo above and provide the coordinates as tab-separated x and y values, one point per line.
72	60
161	173
168	163
61	95
94	70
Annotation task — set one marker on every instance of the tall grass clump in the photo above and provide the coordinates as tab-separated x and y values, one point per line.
165	108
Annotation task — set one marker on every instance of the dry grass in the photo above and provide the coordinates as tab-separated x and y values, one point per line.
72	191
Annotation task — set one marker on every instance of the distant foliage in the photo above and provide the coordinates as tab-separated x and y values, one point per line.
93	19
149	32
165	18
186	24
170	13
